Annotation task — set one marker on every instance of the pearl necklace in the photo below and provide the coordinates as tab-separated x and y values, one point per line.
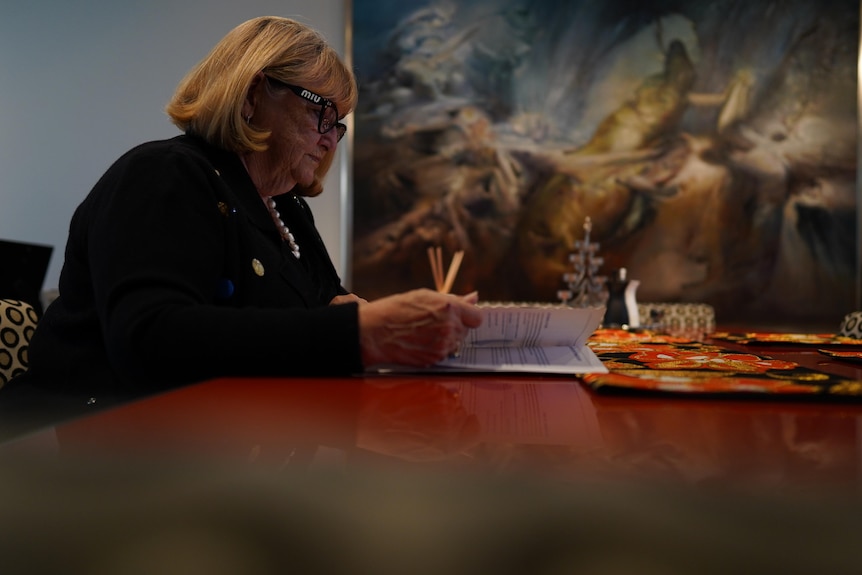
282	229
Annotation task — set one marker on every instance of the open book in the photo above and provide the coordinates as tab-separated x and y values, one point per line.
527	338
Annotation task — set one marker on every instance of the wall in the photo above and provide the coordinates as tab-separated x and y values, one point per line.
81	82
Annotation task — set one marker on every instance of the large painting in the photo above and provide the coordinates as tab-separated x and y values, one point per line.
712	144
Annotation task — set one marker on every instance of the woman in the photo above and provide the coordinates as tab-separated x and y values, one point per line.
197	256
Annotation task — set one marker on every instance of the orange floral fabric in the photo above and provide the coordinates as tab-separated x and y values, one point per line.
644	361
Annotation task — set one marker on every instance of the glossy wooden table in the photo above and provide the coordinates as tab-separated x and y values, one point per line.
551	426
539	475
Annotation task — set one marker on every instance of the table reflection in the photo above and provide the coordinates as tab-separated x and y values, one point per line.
724	441
551	426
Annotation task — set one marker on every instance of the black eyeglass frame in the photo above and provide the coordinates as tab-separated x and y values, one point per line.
324	123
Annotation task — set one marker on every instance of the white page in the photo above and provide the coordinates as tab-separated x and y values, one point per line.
525	326
556	359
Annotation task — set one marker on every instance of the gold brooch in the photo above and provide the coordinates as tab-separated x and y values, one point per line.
257	267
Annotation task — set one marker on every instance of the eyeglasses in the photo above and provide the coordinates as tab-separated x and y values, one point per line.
328	117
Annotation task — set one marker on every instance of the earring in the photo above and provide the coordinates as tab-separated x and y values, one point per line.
248	119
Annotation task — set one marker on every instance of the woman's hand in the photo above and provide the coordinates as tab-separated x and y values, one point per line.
347	298
419	327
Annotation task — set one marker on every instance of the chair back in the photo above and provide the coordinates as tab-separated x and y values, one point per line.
24	268
17	324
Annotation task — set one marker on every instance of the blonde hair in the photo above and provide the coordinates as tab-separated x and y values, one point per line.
208	101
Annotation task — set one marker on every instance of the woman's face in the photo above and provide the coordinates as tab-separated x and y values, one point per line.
295	147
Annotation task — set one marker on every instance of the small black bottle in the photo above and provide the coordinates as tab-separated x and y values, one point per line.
617	313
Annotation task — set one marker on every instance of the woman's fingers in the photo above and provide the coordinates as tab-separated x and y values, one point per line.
420	327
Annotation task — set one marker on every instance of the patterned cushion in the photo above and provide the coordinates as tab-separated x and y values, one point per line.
852	325
17	323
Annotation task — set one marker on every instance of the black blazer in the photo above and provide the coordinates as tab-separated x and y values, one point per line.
174	272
